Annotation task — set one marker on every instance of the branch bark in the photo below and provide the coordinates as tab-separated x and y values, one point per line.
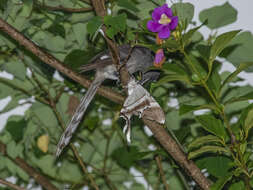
40	179
53	62
11	185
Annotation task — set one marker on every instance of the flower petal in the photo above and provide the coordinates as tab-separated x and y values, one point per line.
159	58
166	10
174	22
153	26
156	14
164	32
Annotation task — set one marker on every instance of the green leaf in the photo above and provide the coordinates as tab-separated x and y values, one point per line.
237	186
212	125
242	48
45	117
14	150
205	149
16	68
94	24
241	68
219	184
115	24
128	5
127	157
200	141
70	171
248	96
15	126
47	165
80	32
221	42
213	164
184	108
171	44
187	37
5	90
246	119
184	11
26	8
173	72
214	80
218	16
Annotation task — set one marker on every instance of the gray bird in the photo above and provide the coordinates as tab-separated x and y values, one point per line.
137	59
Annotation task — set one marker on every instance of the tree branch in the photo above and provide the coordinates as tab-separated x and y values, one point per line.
40	179
53	62
162	175
11	185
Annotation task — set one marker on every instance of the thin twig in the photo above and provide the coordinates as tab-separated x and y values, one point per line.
57	114
40	179
162	175
11	185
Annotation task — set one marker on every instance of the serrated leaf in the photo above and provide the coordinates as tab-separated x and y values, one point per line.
70	171
200	141
218	16
169	78
212	125
15	126
221	42
94	24
184	11
206	149
16	68
240	68
115	24
128	5
213	164
26	8
47	165
242	47
248	96
219	184
127	157
246	119
14	150
237	186
184	108
80	33
188	35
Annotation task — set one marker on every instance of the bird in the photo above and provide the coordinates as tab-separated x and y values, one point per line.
136	58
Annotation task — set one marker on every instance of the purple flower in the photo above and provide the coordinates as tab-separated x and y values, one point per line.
162	21
159	58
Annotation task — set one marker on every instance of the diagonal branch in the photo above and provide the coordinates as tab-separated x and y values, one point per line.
40	179
11	185
53	62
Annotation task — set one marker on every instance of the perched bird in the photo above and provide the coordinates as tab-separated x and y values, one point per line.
137	59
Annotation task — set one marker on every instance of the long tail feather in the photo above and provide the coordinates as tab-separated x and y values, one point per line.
77	117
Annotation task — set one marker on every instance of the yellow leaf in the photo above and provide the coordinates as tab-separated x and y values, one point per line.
43	142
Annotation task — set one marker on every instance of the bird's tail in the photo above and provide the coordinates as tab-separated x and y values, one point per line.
77	117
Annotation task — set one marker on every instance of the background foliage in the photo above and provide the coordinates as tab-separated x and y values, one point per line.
219	140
